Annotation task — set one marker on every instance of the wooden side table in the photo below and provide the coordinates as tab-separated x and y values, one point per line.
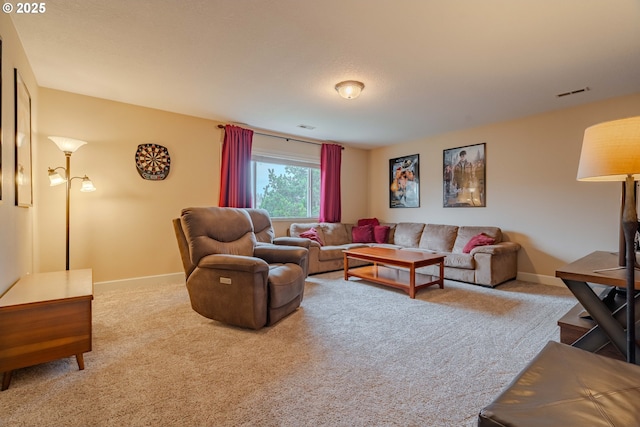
44	317
610	325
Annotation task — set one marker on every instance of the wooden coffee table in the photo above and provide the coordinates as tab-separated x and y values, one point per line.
395	277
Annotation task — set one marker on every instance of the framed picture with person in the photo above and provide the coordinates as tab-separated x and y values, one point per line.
464	176
404	182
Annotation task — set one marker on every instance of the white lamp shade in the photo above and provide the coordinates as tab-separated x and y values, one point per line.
68	145
611	151
349	89
55	178
87	185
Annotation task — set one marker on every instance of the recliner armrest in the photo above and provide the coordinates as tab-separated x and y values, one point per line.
292	241
281	254
234	263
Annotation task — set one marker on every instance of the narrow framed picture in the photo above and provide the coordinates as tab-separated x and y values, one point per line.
404	182
1	183
24	187
464	176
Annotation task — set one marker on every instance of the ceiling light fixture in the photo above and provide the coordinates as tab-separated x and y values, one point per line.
349	89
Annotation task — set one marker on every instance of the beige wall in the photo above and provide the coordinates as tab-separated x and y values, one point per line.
16	223
532	192
123	230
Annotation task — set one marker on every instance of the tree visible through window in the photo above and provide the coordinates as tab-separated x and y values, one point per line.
286	189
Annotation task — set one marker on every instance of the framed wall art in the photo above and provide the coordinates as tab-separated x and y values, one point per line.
24	187
1	184
464	176
404	182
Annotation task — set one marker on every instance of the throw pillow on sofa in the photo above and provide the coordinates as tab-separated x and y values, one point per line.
368	221
478	240
312	234
362	234
381	233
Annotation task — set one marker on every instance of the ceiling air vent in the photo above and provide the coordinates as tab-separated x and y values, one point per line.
573	92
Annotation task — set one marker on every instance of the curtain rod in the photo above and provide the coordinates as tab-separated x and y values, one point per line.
282	137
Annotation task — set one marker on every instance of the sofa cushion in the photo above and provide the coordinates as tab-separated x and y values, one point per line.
439	237
465	261
465	233
408	234
392	230
299	227
478	240
362	234
335	233
328	253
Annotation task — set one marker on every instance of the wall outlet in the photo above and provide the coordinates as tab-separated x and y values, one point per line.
225	280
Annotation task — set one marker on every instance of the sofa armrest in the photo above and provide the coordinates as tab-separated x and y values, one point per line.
234	263
273	254
497	249
292	241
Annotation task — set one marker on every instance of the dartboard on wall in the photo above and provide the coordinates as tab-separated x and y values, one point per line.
153	161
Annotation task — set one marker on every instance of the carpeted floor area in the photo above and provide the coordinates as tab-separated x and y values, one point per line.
354	354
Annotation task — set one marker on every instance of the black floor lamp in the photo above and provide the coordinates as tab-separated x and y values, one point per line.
68	146
611	152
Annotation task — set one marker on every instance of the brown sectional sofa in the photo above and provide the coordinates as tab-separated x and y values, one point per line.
487	265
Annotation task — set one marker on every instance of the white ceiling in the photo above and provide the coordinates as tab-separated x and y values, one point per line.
429	66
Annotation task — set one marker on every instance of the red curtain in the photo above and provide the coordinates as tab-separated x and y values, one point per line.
330	160
235	173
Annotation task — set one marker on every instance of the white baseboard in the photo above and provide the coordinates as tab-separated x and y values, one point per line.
540	278
162	279
173	278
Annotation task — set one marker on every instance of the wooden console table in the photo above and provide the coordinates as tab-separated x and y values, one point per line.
44	317
610	325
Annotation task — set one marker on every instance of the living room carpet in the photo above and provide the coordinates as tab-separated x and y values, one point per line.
354	354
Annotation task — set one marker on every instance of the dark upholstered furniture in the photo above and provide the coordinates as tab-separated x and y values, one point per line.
232	279
265	234
565	386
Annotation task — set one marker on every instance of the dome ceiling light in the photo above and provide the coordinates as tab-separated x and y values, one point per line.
349	89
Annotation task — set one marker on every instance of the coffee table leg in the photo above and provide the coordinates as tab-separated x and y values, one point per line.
412	281
346	267
441	281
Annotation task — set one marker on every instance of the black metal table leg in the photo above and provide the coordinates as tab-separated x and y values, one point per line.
613	326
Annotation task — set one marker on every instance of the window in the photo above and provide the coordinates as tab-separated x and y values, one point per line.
286	188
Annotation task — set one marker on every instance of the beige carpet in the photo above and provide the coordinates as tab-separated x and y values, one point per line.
355	354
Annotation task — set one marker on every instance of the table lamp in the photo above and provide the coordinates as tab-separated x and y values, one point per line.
611	152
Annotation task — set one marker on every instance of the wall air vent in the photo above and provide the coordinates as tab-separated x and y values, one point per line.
573	92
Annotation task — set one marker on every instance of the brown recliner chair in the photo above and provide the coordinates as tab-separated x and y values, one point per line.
265	234
229	277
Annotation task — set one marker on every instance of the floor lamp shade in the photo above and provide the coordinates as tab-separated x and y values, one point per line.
611	152
67	145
